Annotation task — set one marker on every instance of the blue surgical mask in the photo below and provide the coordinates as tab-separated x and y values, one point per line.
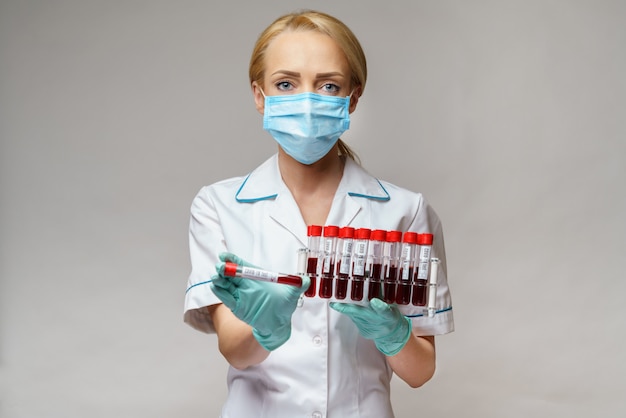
306	125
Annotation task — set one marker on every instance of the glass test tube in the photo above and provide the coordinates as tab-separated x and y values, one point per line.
330	233
432	287
374	267
314	233
303	254
420	284
344	261
391	259
407	268
236	270
359	258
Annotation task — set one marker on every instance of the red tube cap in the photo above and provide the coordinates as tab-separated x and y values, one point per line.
394	236
425	239
363	233
314	231
331	231
410	237
346	232
230	269
378	235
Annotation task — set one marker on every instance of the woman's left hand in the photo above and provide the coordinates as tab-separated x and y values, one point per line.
381	322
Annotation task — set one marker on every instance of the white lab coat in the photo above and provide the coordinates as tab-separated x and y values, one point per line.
326	369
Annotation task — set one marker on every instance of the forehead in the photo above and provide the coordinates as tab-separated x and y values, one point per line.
301	50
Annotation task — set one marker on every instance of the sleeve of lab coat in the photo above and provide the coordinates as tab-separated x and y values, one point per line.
427	221
206	241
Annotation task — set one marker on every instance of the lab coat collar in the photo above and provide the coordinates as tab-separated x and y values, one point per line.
265	183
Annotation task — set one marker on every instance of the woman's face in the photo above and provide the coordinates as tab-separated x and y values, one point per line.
304	61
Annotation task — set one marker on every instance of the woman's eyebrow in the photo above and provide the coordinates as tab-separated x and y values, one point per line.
318	75
287	72
330	74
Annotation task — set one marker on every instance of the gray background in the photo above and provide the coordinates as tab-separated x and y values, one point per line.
509	115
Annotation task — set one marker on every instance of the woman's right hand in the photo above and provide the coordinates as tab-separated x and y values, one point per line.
266	307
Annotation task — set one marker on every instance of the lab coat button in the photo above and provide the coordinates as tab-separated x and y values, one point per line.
317	340
316	415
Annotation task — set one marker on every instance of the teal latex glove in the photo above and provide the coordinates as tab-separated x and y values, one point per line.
266	307
380	322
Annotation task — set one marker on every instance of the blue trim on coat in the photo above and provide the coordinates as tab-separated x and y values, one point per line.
273	196
251	200
197	284
382	199
436	312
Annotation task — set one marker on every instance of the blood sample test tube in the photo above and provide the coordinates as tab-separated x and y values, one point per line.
374	267
407	268
303	254
329	243
314	232
344	261
432	287
236	270
359	259
420	284
391	259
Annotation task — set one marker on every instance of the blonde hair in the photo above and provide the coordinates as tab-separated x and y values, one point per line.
323	23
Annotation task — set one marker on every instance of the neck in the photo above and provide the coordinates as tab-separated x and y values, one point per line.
312	186
308	178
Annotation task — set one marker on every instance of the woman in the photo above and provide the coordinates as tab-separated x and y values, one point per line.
315	358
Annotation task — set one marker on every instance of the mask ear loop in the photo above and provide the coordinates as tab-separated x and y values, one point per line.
349	97
264	99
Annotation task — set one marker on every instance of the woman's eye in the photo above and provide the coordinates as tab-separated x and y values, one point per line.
330	88
283	85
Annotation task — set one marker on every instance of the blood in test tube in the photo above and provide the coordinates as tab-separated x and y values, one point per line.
359	259
391	259
420	284
407	268
235	270
330	234
374	267
314	233
344	261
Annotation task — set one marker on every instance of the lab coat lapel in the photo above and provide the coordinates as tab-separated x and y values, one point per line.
356	189
343	210
285	211
266	184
